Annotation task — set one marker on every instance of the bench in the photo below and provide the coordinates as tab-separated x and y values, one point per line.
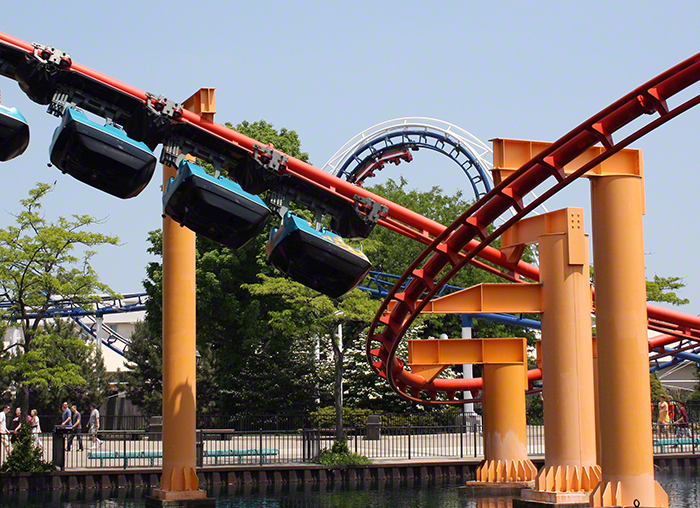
125	456
675	442
152	455
251	452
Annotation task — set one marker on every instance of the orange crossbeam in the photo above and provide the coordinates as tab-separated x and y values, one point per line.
489	298
429	358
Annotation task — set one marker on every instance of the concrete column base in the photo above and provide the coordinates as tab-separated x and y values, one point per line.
530	503
494	489
180	499
568	499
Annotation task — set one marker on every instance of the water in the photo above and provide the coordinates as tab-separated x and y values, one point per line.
683	490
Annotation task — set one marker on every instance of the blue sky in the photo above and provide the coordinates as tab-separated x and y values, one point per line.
329	70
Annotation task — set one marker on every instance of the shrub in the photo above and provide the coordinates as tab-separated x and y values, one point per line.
340	455
25	457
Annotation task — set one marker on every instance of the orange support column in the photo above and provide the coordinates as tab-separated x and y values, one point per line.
179	485
570	471
505	426
623	363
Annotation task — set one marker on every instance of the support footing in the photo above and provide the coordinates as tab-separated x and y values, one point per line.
568	479
520	470
534	498
180	499
529	503
495	489
612	494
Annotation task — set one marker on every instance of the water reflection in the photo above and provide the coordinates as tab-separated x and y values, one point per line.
683	490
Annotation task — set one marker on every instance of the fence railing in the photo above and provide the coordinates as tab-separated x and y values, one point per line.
215	447
274	421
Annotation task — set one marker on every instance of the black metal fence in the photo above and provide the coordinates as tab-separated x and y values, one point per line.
276	422
138	448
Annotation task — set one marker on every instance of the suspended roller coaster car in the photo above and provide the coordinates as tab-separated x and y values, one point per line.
320	260
14	133
217	208
103	157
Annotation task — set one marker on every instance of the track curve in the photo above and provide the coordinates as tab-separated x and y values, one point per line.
394	140
451	250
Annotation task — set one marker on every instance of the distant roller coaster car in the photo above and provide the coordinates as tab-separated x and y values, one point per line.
320	260
14	133
217	208
103	157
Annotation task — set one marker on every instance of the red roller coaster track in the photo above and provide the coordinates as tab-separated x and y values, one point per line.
455	245
441	259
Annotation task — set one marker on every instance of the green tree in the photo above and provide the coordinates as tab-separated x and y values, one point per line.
62	366
25	457
663	289
312	316
657	390
143	379
39	267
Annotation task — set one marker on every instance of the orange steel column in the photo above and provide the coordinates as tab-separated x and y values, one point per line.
179	480
505	426
623	363
567	364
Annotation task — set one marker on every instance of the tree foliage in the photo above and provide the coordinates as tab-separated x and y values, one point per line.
42	264
663	289
309	317
61	366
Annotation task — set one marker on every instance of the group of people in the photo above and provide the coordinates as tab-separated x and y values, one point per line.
672	413
8	431
71	419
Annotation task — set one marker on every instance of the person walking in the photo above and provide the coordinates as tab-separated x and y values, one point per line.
65	416
663	419
36	428
682	424
94	426
4	433
16	424
76	428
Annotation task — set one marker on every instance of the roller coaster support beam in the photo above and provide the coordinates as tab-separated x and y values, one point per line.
570	471
505	426
179	482
623	362
617	199
505	381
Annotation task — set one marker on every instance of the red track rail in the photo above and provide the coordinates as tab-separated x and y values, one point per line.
442	258
456	245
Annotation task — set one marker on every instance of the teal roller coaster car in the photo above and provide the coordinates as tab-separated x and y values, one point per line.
103	157
320	260
217	208
14	133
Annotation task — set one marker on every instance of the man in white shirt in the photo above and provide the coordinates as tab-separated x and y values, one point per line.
4	434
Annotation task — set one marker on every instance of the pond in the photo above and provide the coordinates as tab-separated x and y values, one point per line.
683	490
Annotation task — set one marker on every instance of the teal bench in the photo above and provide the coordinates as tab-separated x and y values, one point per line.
251	452
675	442
152	455
125	456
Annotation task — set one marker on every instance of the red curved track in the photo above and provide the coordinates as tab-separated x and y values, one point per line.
442	258
456	245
